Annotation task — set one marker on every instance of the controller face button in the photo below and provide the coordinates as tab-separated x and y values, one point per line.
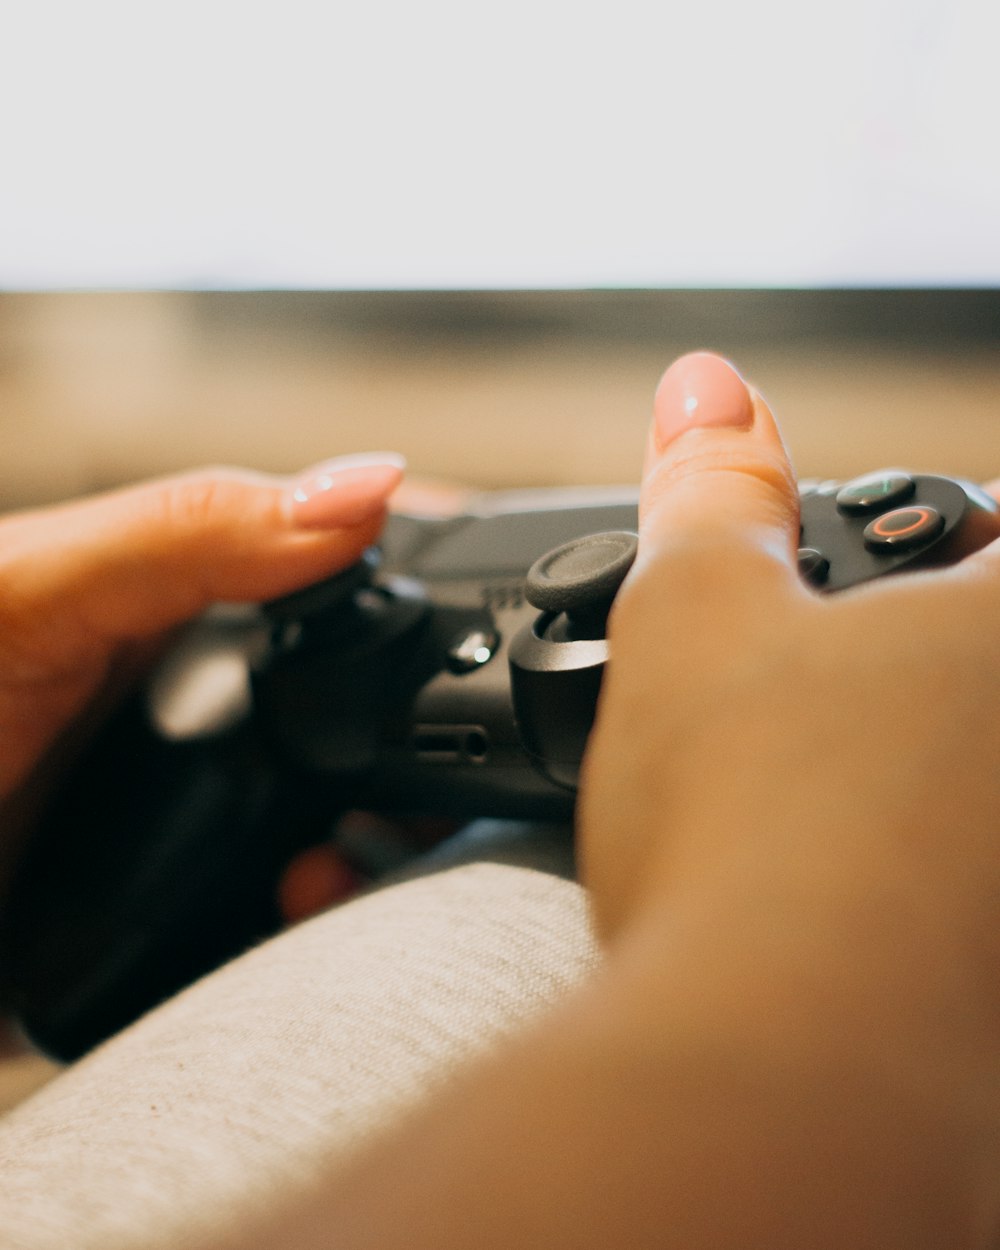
903	529
814	567
874	493
472	650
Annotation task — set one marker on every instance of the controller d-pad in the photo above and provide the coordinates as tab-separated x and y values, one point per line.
874	493
903	528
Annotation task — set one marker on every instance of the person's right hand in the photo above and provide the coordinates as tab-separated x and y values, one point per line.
748	723
788	822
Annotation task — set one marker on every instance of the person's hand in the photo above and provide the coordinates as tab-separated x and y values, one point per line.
788	821
88	590
747	720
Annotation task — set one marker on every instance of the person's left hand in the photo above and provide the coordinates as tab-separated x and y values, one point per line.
88	590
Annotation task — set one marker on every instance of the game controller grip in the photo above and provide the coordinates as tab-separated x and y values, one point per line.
168	857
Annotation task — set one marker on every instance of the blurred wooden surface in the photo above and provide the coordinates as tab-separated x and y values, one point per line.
96	389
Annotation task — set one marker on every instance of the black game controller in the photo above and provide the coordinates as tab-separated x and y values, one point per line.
455	671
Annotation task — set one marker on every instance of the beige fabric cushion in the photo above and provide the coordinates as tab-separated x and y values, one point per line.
292	1054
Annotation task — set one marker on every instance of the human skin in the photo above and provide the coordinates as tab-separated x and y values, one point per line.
794	866
794	1038
90	589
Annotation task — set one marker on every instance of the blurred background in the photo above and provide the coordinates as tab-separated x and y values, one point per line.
260	235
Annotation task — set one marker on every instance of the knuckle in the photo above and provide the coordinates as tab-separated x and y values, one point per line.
719	520
197	503
762	476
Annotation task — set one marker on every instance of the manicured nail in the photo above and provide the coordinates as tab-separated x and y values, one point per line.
700	390
345	491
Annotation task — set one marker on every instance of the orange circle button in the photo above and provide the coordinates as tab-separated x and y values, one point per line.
903	529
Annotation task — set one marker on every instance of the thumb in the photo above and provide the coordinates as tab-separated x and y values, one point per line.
719	501
717	541
130	563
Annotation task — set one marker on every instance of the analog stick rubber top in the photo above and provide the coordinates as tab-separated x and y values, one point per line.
580	579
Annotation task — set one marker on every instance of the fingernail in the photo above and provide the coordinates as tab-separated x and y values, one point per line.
345	491
699	390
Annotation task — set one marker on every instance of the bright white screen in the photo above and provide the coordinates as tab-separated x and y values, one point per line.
440	144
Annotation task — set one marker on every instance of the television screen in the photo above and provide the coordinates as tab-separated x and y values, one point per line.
529	145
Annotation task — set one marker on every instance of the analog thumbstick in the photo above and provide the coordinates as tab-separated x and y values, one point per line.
334	595
580	579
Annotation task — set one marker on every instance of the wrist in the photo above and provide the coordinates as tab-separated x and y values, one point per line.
854	1027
